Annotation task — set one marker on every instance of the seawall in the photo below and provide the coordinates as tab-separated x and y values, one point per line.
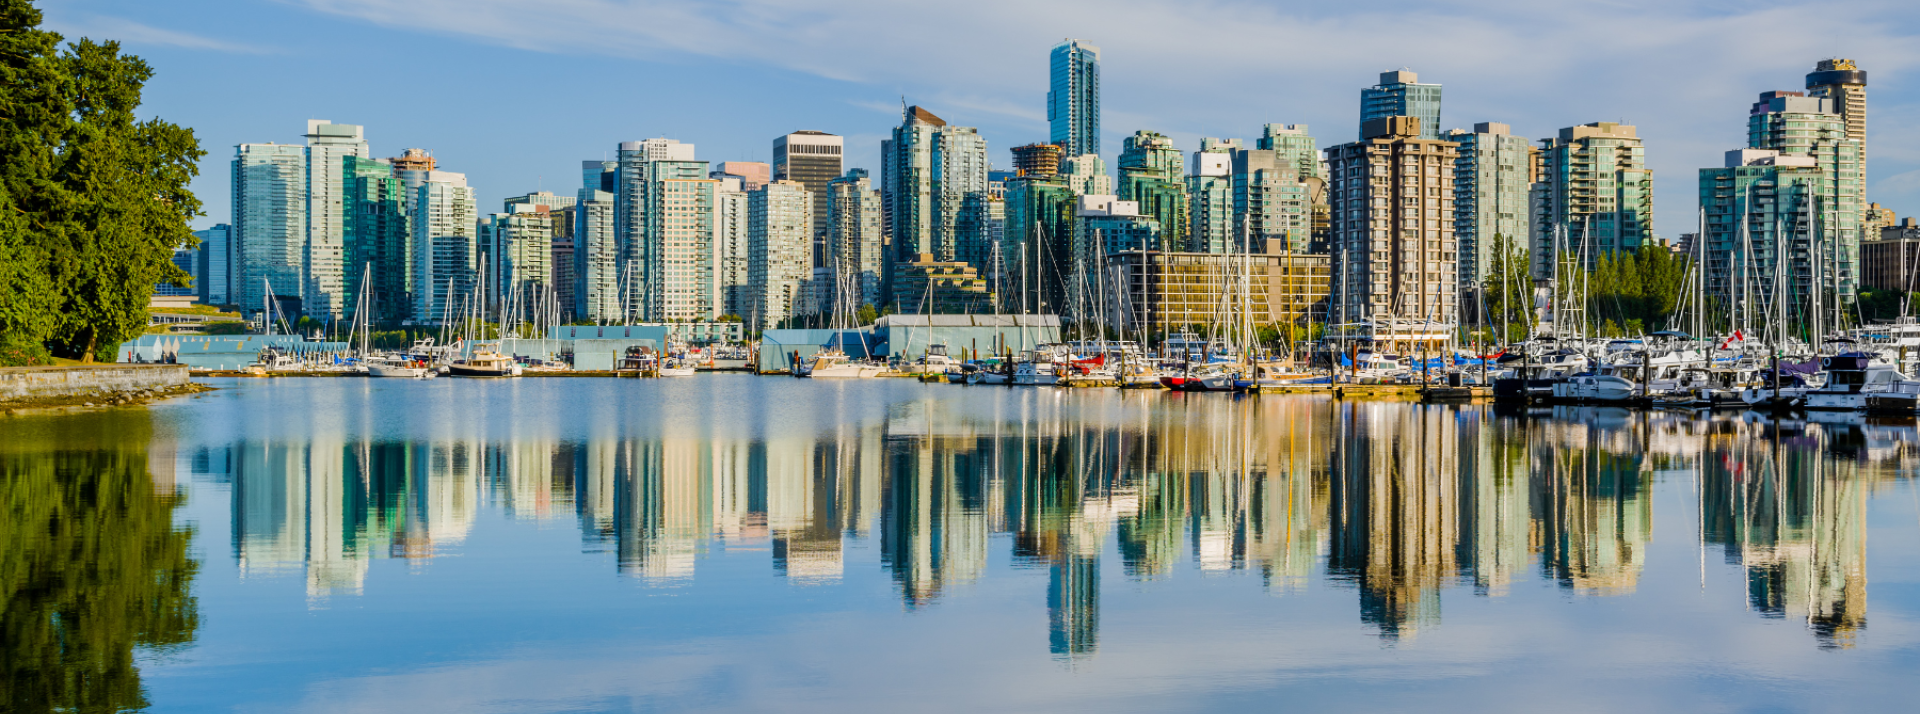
18	383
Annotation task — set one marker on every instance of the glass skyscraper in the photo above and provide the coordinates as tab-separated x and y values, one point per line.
269	223
1073	97
1400	94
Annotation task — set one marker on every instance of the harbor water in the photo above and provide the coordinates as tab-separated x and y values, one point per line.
727	542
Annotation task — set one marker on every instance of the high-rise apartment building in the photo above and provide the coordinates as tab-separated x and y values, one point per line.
1210	199
1594	195
442	218
854	239
1038	244
1785	210
812	158
1293	146
732	242
1272	202
1845	84
1151	176
1393	240
930	171
552	201
324	278
1087	175
379	255
518	250
269	225
214	264
630	213
1036	160
1491	187
1073	97
752	174
780	251
679	243
1400	94
596	247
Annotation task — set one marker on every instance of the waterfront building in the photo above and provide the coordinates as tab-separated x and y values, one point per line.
1891	259
1151	175
752	174
1036	160
1272	201
1037	249
854	238
812	158
1103	226
1292	146
731	241
780	251
560	256
269	225
678	242
324	286
1876	218
928	286
1785	209
630	214
186	259
1393	240
596	260
930	171
441	217
213	265
518	251
1491	196
1210	224
1172	291
1843	83
1400	94
1593	195
377	240
1073	97
963	223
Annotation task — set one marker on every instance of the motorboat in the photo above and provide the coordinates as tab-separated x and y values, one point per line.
401	368
1038	370
834	364
1852	377
485	364
677	368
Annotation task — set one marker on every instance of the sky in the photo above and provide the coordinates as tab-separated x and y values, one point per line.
516	93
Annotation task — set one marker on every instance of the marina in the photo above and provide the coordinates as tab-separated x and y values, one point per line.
397	539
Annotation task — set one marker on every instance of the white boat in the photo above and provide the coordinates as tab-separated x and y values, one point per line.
1851	379
677	368
1036	371
833	364
404	369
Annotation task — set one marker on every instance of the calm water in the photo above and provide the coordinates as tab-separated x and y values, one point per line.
738	543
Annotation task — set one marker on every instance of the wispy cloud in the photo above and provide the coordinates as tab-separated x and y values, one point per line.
128	32
1683	70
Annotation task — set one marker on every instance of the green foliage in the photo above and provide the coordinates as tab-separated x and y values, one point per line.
94	567
94	200
1634	290
1508	290
22	353
1885	305
867	314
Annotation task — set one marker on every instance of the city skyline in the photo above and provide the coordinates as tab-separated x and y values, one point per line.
999	87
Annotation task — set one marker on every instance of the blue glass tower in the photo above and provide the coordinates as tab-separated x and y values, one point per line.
1400	94
1073	97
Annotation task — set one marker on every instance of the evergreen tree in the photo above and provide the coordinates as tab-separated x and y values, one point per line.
92	200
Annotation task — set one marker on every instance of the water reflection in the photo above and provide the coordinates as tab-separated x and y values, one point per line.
93	569
1405	504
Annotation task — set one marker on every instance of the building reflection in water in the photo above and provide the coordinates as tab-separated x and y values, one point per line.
1402	503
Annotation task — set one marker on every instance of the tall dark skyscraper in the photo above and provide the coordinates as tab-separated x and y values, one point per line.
811	158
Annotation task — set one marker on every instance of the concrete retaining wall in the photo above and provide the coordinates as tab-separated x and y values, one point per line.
35	382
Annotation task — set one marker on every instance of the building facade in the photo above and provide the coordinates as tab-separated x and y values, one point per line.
731	242
442	218
681	272
1393	229
269	224
1891	261
324	266
1210	224
1151	175
1167	292
596	260
1036	160
1400	94
1594	195
780	251
1073	97
379	257
214	265
812	158
1491	186
634	174
854	240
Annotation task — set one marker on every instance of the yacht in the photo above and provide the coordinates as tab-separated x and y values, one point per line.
395	367
1852	377
485	364
833	364
1037	370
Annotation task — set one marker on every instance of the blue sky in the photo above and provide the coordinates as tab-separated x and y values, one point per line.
515	93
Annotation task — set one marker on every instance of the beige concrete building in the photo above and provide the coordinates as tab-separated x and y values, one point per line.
1173	291
1393	247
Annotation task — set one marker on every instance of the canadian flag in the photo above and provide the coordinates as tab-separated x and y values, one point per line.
1737	336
